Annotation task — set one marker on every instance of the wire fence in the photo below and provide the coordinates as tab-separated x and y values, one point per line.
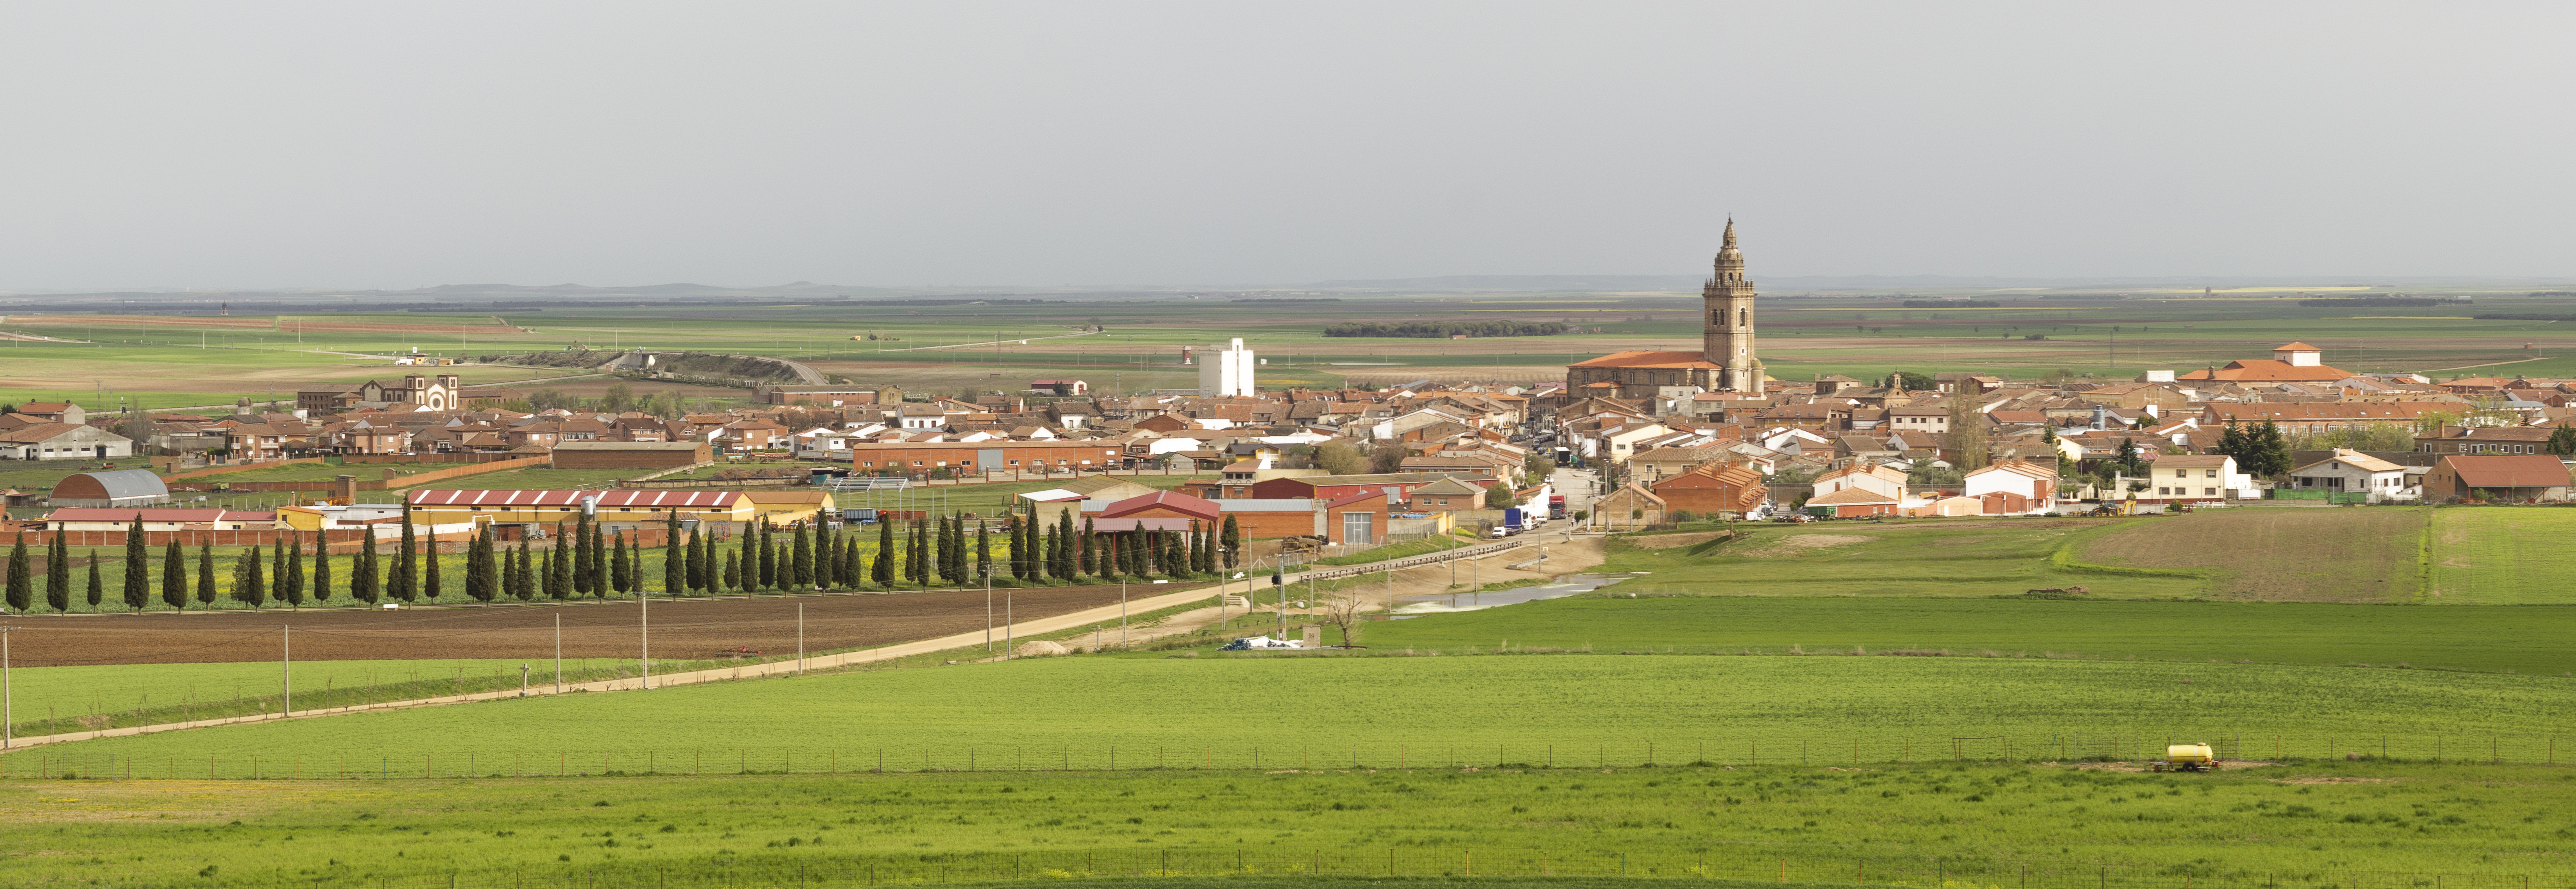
1735	865
2098	746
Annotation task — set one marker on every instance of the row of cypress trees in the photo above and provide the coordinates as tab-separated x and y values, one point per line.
1063	552
589	561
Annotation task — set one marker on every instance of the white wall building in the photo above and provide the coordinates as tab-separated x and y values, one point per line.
1227	371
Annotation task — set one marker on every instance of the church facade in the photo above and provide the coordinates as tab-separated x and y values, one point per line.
1726	362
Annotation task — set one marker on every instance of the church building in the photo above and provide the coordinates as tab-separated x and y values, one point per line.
1726	361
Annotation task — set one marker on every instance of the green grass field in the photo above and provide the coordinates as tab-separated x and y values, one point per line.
1929	558
2499	555
1984	824
2522	639
50	695
2279	553
1567	709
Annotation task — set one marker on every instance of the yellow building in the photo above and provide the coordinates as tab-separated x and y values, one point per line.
723	511
783	508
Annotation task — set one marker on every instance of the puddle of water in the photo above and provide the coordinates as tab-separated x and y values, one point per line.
1449	603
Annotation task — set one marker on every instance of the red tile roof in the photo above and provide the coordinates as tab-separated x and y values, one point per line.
649	499
2510	471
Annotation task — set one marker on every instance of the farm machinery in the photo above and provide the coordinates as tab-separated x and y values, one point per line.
2188	758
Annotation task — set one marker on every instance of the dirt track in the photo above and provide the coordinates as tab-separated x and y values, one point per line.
684	629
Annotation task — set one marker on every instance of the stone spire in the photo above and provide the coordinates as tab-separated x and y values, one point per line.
1728	334
1729	259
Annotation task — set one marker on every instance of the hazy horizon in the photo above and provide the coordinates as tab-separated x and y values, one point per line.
322	146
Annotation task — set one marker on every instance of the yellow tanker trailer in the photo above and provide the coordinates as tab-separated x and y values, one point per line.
2188	758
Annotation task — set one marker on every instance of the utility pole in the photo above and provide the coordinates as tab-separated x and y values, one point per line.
558	648
800	638
644	626
286	670
8	708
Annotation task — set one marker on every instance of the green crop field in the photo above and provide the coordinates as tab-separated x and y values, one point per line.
2495	555
978	346
2246	553
1981	824
47	694
1379	711
2279	553
2522	639
1929	558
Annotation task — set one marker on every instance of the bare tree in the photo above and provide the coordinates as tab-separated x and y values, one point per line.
1344	611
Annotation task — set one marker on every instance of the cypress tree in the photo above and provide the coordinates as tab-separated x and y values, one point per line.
482	576
22	589
672	580
527	571
1042	546
704	560
802	559
138	566
401	583
1091	535
983	550
559	584
362	570
321	567
174	576
689	561
58	574
921	560
933	547
546	579
882	571
1231	542
249	585
621	570
432	583
599	562
97	588
732	577
581	554
1013	547
291	553
827	554
851	573
616	566
957	560
277	572
747	577
206	574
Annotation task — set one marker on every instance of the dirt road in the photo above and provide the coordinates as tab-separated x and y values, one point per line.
682	629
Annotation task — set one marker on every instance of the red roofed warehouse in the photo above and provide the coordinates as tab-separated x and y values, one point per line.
2511	478
728	510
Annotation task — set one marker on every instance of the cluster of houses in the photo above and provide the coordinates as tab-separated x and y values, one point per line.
1852	446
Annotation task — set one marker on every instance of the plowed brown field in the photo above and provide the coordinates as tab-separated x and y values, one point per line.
681	629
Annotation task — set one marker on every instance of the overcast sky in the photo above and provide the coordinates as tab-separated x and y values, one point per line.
396	145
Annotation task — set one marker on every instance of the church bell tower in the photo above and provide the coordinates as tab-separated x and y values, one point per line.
1728	336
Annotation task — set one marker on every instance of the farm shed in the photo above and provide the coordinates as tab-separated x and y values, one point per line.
2517	478
122	487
